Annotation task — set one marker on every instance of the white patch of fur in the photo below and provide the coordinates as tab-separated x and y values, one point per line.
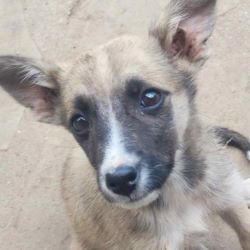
190	222
236	187
248	155
115	154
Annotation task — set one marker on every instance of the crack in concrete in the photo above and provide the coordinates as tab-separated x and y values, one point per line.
28	30
229	10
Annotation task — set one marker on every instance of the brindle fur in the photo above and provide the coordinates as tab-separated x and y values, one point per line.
200	180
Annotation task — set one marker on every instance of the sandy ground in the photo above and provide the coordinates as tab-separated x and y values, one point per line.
32	154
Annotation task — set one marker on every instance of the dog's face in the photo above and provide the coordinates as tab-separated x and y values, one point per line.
128	103
122	105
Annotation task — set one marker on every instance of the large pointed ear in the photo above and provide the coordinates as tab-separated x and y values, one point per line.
33	85
183	30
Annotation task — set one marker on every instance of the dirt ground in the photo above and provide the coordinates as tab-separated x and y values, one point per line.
32	154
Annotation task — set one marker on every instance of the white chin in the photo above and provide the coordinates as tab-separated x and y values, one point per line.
142	202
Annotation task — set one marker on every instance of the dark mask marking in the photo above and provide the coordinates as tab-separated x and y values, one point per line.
99	130
151	136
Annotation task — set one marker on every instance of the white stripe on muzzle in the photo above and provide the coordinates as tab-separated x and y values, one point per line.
115	153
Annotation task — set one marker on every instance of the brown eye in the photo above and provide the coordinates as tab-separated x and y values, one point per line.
151	98
79	124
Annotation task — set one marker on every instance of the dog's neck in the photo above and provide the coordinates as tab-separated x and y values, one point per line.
177	199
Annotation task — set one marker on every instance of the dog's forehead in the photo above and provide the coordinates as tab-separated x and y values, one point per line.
110	67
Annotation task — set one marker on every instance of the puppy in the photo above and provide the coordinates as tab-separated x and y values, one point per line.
153	173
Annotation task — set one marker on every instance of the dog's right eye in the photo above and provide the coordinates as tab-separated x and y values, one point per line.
151	99
79	124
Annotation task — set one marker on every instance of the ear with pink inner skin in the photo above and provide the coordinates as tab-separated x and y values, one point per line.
33	85
183	30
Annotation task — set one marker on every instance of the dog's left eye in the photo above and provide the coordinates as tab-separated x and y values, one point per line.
151	98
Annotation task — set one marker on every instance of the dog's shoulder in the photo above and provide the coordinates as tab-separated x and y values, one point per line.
222	179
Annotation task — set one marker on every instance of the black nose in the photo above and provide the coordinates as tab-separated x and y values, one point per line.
122	181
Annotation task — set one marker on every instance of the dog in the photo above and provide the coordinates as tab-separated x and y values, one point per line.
153	173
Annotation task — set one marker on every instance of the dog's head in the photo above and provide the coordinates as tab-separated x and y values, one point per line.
127	103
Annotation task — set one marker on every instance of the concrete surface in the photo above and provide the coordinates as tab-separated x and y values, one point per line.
32	154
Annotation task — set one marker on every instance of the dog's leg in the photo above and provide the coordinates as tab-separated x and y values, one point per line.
239	219
75	245
201	247
247	184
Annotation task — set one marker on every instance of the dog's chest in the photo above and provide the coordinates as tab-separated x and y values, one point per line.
173	229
